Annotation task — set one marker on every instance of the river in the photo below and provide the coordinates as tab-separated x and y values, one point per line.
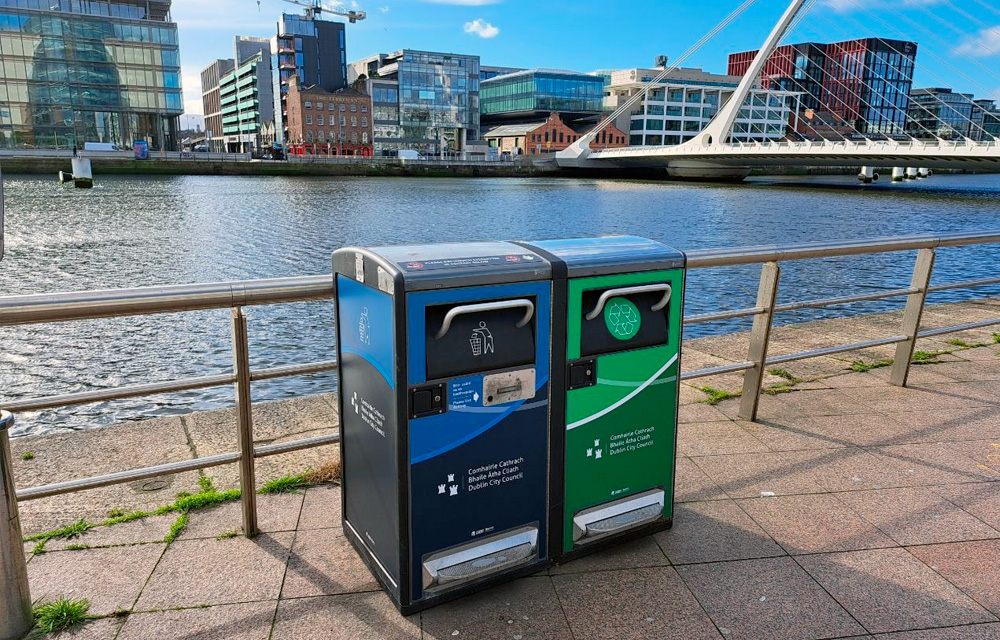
138	231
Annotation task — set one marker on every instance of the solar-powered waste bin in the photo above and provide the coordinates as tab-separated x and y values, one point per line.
444	365
619	306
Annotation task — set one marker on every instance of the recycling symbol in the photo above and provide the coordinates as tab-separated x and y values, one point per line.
622	318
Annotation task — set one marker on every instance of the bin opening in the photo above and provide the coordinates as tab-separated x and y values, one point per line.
479	340
623	323
474	560
616	516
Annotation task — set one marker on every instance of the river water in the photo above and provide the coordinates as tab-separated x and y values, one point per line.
137	231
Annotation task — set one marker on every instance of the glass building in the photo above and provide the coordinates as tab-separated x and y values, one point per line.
536	91
422	100
77	71
942	113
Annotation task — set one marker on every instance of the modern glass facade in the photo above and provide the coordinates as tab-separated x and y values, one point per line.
425	101
542	90
941	113
77	71
247	104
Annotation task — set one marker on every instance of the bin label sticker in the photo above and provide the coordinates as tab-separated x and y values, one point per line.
481	340
465	392
622	318
466	263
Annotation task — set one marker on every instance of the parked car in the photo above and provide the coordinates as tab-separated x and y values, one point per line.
410	154
99	146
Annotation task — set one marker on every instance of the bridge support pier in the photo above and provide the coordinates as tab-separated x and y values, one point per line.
911	173
696	170
867	175
898	174
923	173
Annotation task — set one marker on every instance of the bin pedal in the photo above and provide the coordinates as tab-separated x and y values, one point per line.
610	518
472	561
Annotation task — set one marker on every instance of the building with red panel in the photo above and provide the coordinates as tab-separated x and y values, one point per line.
865	83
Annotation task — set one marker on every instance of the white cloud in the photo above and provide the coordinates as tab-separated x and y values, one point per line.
464	3
481	28
984	44
383	9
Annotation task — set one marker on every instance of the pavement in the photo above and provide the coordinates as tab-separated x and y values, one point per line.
851	509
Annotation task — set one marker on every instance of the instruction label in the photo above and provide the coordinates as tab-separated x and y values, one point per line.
631	441
465	392
497	474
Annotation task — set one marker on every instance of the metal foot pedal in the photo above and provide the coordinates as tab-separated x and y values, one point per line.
613	517
475	560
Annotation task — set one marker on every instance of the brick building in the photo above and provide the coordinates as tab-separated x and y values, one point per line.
550	136
324	122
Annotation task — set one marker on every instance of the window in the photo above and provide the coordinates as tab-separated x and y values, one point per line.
364	137
364	122
309	119
343	121
332	106
319	105
354	108
321	136
354	121
308	105
333	135
343	107
309	136
561	136
364	108
354	137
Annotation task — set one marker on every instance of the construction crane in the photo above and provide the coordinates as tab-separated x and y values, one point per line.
315	8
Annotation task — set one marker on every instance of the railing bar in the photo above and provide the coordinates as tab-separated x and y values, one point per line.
715	371
121	477
724	315
298	445
971	284
827	302
826	351
101	395
929	333
294	370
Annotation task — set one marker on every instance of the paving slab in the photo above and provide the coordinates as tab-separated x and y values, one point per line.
643	552
935	463
890	590
856	430
700	412
750	475
144	531
632	604
981	499
274	513
976	423
794	434
103	629
970	632
321	508
769	599
819	402
323	562
814	524
847	469
206	572
692	484
891	399
362	616
714	531
970	566
917	515
246	621
111	578
527	608
716	438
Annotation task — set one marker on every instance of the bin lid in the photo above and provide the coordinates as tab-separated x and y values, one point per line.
446	265
610	254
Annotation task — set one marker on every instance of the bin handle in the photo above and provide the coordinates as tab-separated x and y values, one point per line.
527	305
627	291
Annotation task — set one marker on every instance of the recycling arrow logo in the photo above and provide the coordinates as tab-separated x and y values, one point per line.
622	318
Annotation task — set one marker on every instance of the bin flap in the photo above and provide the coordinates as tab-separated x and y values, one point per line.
626	318
485	336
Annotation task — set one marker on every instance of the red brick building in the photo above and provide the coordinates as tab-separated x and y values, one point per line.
325	123
549	136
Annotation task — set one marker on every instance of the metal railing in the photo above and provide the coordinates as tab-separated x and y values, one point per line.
62	307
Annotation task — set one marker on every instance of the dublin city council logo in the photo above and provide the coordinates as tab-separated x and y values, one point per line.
622	318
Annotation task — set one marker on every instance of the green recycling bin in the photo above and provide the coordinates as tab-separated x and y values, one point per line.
618	309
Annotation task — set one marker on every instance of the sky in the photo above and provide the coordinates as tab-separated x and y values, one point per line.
959	39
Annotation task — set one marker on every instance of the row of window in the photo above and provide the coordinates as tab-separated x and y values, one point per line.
343	107
320	120
92	29
80	50
321	137
89	96
560	137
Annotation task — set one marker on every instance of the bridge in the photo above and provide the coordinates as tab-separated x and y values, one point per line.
715	153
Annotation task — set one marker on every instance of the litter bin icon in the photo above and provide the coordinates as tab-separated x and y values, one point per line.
444	356
619	303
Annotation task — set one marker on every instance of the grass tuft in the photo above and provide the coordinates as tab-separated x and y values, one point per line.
958	342
205	483
925	357
786	374
61	615
996	338
327	472
715	396
287	484
117	516
177	528
28	455
861	366
225	535
778	389
77	547
39	547
74	530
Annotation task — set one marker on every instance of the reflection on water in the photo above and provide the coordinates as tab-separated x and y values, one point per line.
132	231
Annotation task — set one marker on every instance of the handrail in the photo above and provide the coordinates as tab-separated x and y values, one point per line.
61	307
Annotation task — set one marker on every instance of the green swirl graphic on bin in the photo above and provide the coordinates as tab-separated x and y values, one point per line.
622	318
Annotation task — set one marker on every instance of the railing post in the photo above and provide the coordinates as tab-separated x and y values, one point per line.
921	280
760	337
15	601
244	422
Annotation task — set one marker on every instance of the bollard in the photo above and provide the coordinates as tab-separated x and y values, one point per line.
15	602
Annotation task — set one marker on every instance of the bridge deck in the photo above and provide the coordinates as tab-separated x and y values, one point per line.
885	518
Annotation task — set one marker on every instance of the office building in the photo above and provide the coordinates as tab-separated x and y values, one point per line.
487	72
247	98
211	102
535	93
311	49
331	123
549	136
679	106
423	101
938	112
989	116
77	72
862	83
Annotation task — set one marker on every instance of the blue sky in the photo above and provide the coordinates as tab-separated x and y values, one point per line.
959	39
